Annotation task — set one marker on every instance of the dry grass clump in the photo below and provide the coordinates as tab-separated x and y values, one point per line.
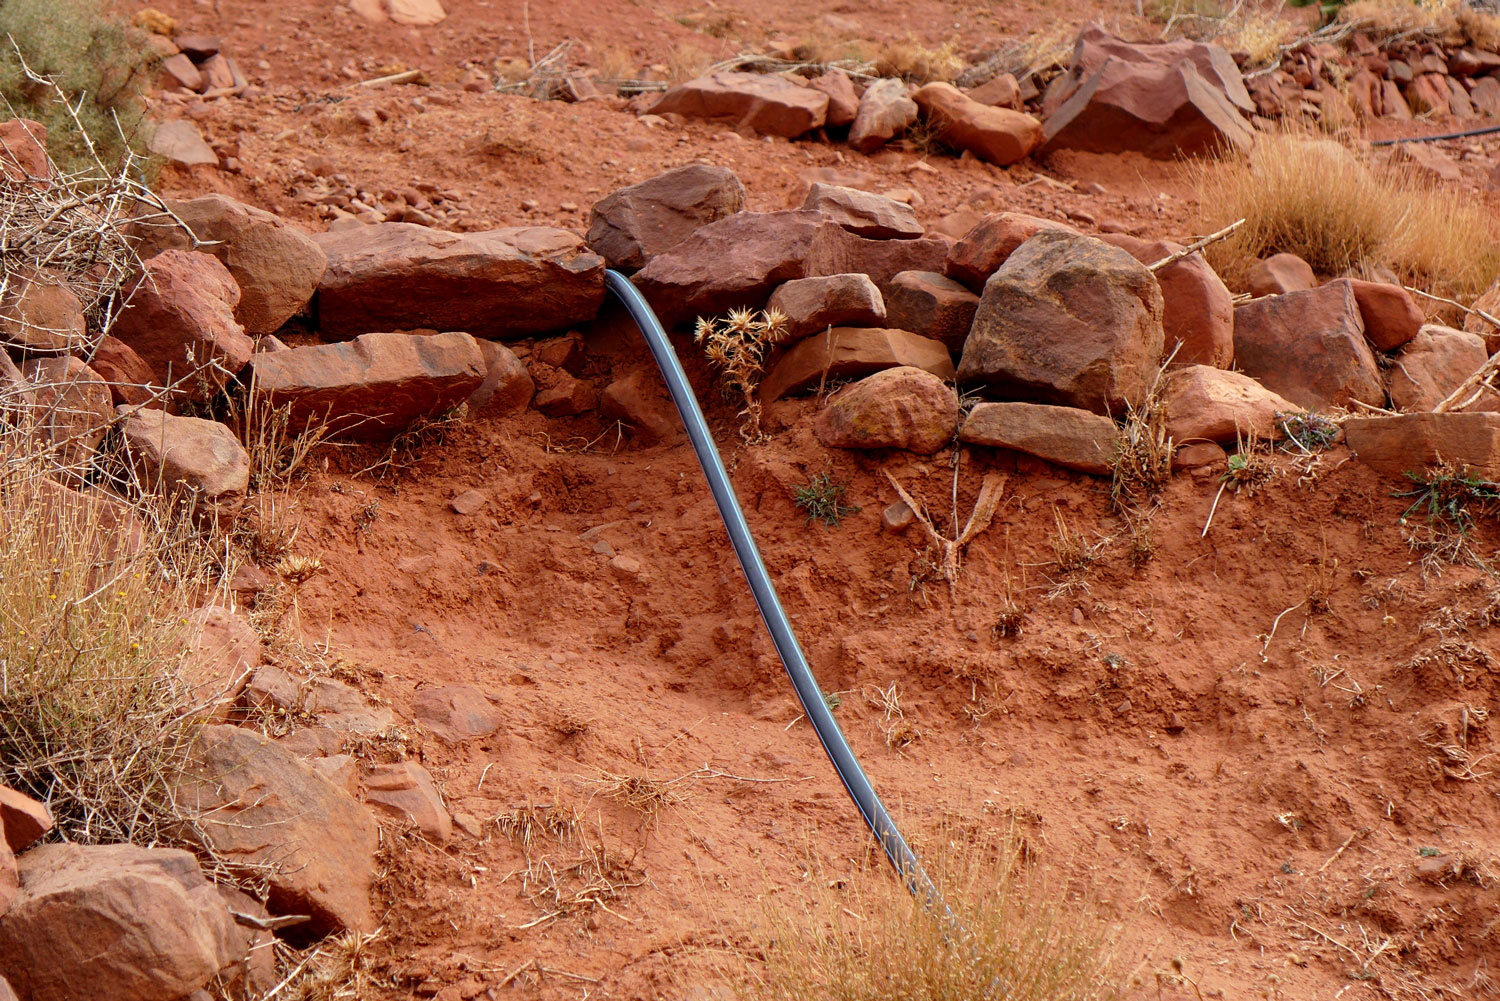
1143	452
1316	199
1011	935
1452	22
917	63
738	346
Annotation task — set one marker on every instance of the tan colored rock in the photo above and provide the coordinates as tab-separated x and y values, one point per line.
885	111
1434	364
985	247
633	224
180	143
997	135
198	462
455	713
507	387
71	409
1067	320
416	13
1064	436
1309	347
113	921
1209	404
405	791
22	819
222	651
899	407
863	213
1411	443
812	305
1281	273
1390	313
765	103
40	314
255	803
501	283
1197	308
850	352
931	305
373	387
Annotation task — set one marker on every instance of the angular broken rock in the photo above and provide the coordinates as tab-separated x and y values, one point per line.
507	387
40	314
630	226
70	407
23	150
501	283
843	102
766	103
277	267
1411	443
455	713
997	135
335	705
196	461
1197	308
931	305
1309	347
1067	320
900	407
128	376
256	804
811	305
22	819
405	791
113	921
1064	436
1434	364
179	318
639	399
885	111
181	143
1391	315
849	352
863	213
221	652
373	387
987	246
1209	404
1281	273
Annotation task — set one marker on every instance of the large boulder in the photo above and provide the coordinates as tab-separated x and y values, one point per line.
114	921
1434	364
1309	347
1410	443
932	305
851	352
1165	100
179	318
373	387
997	135
197	462
1197	308
258	806
501	283
811	305
738	261
864	213
885	111
900	407
1064	436
769	104
1209	404
40	314
984	248
1067	320
630	226
277	266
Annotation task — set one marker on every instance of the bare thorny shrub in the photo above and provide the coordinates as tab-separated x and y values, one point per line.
738	345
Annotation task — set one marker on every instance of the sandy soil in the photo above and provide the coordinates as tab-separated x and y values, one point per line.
1266	749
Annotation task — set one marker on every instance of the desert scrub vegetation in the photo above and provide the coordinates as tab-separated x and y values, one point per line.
100	66
738	345
1011	935
823	500
1317	199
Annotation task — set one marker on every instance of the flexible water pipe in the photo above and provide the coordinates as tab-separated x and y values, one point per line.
806	686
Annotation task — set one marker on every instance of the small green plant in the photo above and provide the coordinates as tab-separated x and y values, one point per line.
738	345
1248	467
1306	432
1450	495
823	500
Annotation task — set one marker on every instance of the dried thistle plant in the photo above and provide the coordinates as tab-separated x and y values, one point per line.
738	345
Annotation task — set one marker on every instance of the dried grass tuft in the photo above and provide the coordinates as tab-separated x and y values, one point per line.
738	345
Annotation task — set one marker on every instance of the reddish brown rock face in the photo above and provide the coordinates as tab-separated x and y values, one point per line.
769	105
898	408
981	251
996	135
1309	347
1197	308
1210	404
632	225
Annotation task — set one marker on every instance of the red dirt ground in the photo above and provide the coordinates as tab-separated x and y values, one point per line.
1250	747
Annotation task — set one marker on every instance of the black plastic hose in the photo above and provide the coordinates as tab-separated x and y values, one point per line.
808	693
1445	135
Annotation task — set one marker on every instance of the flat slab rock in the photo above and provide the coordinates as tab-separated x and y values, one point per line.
371	388
849	352
503	283
765	103
1064	436
1414	442
633	224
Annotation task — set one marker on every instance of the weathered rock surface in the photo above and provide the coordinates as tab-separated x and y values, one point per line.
843	102
1209	404
864	213
896	408
630	226
71	408
22	819
276	266
811	305
885	111
1391	316
128	376
997	135
405	792
1309	347
257	803
374	386
1067	320
1197	308
768	104
931	305
199	462
23	150
850	352
179	315
113	921
222	651
1414	442
180	143
985	247
498	283
507	387
1064	436
1281	273
455	713
40	314
1434	364
336	706
641	401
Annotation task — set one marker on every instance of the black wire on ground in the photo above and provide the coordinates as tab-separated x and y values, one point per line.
1446	135
806	686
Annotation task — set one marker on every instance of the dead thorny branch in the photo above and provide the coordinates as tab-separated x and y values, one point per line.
949	550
